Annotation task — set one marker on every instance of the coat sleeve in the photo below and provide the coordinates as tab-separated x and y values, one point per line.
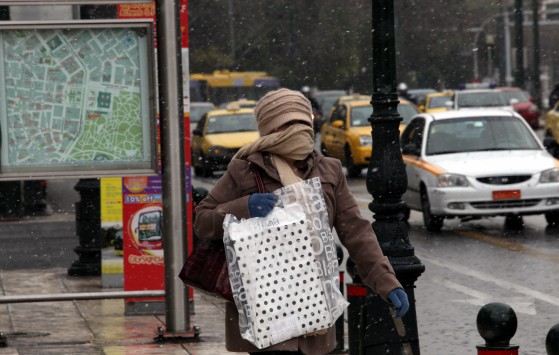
225	197
357	235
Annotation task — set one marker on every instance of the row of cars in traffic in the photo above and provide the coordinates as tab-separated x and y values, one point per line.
464	162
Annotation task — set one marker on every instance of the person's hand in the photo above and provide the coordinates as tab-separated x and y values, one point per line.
259	205
399	300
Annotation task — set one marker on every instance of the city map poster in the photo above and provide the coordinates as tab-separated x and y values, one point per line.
143	235
77	100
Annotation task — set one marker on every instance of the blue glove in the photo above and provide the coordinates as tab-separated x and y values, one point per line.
399	300
259	205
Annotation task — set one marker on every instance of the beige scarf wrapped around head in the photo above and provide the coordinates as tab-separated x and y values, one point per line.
296	142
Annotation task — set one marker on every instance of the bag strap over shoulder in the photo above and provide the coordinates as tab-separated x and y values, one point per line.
258	178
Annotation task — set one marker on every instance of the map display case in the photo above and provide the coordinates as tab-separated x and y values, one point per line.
77	99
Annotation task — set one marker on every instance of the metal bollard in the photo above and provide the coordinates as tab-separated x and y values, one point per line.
356	314
552	341
497	323
340	322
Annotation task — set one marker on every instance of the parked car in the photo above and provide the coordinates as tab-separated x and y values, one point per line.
478	163
347	133
525	105
481	98
436	101
218	136
197	110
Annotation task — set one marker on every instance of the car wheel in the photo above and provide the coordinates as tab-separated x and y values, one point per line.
353	170
514	222
552	218
432	223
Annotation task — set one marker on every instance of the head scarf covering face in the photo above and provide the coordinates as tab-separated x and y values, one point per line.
277	109
282	106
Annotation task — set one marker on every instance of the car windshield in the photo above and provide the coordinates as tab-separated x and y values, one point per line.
479	134
196	112
438	101
521	96
407	112
360	114
231	123
482	99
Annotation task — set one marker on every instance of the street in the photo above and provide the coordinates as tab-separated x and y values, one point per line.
468	265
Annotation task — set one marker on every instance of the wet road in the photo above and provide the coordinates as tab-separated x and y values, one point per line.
468	264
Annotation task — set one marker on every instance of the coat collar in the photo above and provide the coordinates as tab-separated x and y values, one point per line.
264	162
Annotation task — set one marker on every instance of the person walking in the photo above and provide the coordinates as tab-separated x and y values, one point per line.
316	109
553	96
284	155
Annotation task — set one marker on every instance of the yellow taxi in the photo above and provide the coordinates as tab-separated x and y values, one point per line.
218	136
436	102
240	103
341	100
346	134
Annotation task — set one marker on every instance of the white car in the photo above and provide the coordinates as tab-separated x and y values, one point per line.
481	98
477	163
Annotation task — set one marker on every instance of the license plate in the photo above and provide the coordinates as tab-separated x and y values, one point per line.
507	195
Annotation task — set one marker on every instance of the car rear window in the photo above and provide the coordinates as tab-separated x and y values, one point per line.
231	123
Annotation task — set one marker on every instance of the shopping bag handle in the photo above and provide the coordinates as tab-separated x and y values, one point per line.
258	178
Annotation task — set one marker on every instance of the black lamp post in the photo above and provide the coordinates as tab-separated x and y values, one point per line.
387	182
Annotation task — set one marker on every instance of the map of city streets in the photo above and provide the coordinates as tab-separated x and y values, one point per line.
74	96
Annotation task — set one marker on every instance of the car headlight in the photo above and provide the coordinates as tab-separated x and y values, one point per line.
452	180
551	175
366	141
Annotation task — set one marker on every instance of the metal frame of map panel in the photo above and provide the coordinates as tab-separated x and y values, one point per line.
69	2
72	110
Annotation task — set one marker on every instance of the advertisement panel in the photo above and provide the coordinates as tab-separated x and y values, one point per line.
142	240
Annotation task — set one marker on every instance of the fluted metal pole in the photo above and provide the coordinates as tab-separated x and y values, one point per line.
387	182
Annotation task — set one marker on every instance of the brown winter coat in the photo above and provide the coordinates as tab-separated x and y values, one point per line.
230	195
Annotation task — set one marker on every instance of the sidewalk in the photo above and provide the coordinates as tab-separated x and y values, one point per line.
95	326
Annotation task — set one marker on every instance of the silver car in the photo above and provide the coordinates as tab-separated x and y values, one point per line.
481	98
477	163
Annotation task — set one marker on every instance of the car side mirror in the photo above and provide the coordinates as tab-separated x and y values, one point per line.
338	123
449	104
421	108
513	102
410	149
197	132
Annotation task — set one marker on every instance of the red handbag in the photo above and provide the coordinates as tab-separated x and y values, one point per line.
205	268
